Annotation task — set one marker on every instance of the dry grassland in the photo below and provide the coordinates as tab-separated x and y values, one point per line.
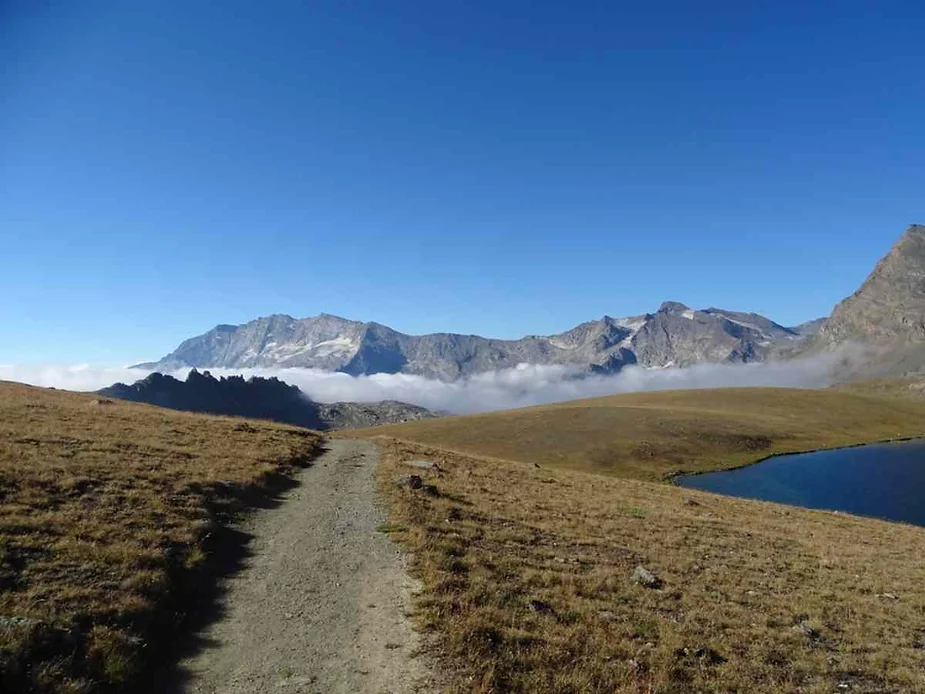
527	585
655	435
106	513
905	388
526	557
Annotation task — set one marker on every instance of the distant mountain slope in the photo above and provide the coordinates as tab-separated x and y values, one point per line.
675	335
260	398
810	328
890	305
886	315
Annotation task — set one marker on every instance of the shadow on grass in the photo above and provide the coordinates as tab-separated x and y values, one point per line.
201	593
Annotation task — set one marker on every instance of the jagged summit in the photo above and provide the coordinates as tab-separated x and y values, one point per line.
260	398
673	307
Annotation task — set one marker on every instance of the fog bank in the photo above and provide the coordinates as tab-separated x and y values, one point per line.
527	384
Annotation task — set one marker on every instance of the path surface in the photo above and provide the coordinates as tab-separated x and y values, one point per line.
321	605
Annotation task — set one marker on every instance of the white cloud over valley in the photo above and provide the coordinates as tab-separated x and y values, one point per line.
68	377
524	385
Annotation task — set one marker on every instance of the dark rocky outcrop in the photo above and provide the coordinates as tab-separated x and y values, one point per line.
260	398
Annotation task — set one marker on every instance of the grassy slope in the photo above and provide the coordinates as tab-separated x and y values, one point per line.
903	388
526	576
653	435
105	508
526	570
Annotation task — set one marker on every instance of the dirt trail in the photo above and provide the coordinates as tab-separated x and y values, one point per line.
321	606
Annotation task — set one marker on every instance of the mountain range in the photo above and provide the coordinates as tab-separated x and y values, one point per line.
887	313
673	336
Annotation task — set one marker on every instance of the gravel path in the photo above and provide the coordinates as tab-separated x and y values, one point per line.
321	606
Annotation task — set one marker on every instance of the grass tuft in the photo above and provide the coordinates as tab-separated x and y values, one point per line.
388	528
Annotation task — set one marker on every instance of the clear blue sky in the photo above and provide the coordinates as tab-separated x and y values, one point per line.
491	167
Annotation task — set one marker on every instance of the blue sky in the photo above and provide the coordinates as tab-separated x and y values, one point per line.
498	168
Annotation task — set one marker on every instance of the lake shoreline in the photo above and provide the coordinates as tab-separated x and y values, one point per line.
673	478
880	480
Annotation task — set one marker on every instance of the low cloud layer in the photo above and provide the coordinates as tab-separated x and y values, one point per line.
69	377
525	385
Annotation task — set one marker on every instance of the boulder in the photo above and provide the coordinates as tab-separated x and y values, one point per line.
540	607
645	578
808	631
415	483
409	481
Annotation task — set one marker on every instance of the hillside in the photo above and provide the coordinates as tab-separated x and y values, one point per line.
890	305
109	514
654	435
885	317
675	335
527	553
527	585
902	388
260	398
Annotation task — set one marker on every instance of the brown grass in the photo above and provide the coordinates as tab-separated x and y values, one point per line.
526	575
106	508
656	435
904	388
526	569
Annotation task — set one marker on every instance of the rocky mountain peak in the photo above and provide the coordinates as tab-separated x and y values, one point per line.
890	305
673	307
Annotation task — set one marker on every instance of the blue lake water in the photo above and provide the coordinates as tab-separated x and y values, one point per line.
883	480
